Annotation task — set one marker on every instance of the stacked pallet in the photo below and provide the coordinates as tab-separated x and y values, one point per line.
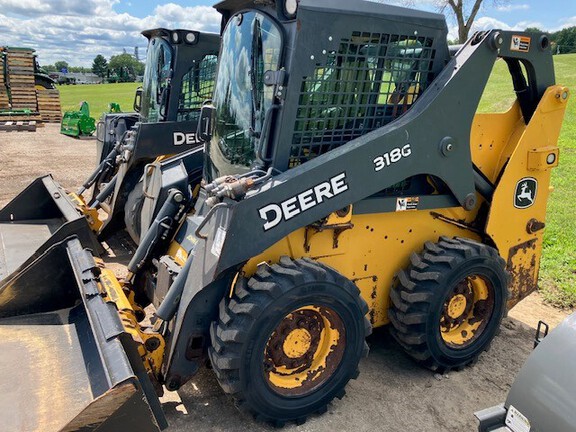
20	69
49	105
18	126
4	101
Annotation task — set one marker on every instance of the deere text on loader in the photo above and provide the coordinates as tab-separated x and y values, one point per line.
348	184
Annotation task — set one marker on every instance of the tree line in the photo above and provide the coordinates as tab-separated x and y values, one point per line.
120	68
562	41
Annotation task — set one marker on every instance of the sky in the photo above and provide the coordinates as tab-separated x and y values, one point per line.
77	30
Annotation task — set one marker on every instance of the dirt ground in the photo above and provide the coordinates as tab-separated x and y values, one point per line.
392	392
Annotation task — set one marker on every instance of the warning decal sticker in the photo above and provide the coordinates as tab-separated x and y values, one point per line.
408	203
520	43
516	421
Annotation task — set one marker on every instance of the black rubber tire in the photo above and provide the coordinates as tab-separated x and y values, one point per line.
251	315
132	212
419	293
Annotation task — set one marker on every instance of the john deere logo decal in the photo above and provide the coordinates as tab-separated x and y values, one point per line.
525	195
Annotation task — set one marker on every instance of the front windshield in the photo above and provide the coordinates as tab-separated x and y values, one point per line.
251	46
157	78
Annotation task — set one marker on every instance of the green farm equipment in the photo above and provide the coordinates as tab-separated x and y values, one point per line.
78	123
114	107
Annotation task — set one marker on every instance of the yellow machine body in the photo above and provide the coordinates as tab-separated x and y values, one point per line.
370	248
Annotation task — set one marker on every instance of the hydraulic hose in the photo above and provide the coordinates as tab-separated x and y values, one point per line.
104	166
105	193
162	223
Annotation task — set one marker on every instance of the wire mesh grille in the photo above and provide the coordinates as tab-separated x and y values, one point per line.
197	86
371	80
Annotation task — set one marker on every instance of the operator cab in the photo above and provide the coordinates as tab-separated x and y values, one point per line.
287	63
172	63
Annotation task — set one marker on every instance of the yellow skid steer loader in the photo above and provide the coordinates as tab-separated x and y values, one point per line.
348	183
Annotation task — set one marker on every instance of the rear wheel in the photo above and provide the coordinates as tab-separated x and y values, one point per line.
448	304
289	340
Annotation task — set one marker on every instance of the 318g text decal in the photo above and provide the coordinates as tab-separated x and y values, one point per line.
391	157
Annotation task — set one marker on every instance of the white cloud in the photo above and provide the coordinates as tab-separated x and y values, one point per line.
566	22
488	23
512	7
77	31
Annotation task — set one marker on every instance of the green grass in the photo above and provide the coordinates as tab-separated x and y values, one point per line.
98	96
558	265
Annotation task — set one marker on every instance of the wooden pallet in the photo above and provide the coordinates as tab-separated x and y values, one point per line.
4	117
18	126
20	67
44	103
49	105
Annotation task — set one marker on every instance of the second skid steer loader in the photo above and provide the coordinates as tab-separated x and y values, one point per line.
348	183
179	75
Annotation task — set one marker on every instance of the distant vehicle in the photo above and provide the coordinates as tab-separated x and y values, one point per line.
64	80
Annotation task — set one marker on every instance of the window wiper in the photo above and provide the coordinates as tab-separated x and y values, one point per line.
255	55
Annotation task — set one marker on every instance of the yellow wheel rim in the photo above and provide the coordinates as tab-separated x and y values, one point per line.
466	311
304	350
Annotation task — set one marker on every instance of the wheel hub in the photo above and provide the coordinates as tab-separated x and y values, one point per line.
304	350
466	311
457	306
297	343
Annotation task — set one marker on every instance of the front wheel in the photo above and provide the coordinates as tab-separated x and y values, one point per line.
133	211
448	304
289	340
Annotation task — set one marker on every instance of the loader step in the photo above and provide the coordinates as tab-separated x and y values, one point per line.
18	240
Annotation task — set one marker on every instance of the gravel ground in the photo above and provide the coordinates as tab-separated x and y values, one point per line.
392	392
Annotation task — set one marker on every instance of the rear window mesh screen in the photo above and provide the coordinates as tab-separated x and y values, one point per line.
371	80
197	86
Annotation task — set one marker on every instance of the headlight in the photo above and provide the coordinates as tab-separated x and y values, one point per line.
175	37
290	8
190	38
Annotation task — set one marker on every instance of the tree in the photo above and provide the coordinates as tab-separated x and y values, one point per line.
100	66
565	40
49	68
126	64
59	65
464	11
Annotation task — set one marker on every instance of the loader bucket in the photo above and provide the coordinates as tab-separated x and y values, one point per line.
66	363
37	218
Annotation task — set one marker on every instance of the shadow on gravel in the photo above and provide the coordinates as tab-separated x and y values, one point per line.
392	393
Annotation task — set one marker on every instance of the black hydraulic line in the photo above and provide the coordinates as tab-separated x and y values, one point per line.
105	193
104	167
162	223
483	185
169	305
521	88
